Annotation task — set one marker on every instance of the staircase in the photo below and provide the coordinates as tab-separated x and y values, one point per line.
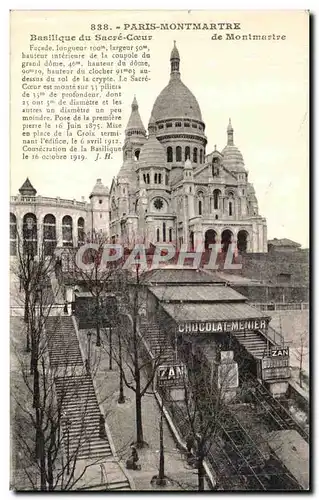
77	398
63	344
159	344
254	342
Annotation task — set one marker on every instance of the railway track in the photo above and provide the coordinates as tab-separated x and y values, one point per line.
278	416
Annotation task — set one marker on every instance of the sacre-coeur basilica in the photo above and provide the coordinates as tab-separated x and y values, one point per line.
169	188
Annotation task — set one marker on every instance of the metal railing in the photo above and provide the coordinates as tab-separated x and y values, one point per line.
43	200
281	306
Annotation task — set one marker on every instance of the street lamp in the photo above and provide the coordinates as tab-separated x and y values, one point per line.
121	399
67	423
88	367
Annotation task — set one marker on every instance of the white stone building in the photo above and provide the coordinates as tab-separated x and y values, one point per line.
170	190
56	222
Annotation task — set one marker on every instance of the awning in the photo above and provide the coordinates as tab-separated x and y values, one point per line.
197	293
213	312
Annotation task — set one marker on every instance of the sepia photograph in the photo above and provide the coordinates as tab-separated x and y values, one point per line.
159	251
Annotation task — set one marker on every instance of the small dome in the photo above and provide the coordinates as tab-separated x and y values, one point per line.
99	189
233	159
152	153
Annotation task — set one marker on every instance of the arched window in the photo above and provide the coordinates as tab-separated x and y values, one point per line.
137	154
216	195
169	152
230	205
170	234
49	234
155	178
199	207
200	196
148	178
178	153
157	234
67	226
30	235
81	231
160	178
187	153
164	231
13	235
195	155
201	156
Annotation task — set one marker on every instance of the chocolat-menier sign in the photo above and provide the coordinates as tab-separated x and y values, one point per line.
222	326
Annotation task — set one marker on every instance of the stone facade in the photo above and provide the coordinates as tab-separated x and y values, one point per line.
55	221
169	190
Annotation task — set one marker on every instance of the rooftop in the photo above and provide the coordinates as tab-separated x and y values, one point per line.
197	293
181	276
213	312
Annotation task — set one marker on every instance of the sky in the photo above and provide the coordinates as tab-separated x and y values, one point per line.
262	86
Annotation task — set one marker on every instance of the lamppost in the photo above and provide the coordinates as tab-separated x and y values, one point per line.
89	335
67	423
121	398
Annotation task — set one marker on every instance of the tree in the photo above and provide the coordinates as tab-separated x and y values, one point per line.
136	363
300	353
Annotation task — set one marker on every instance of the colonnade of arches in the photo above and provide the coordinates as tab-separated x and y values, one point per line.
31	236
196	155
226	238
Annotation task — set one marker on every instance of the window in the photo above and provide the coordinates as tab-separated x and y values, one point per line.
157	234
160	178
187	153
200	195
137	154
100	202
30	234
201	156
170	234
186	124
147	178
164	231
194	125
155	178
49	234
200	207
169	125
178	124
158	203
230	208
161	125
216	195
81	230
195	155
169	153
178	153
13	235
67	225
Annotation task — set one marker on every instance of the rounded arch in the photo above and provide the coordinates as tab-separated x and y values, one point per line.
242	240
49	234
187	153
169	154
30	234
226	239
216	195
81	231
178	153
157	234
210	237
137	154
195	153
200	201
67	231
13	235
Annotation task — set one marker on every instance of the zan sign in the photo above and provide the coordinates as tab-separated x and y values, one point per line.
223	326
169	375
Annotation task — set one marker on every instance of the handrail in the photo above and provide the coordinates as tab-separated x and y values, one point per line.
281	306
